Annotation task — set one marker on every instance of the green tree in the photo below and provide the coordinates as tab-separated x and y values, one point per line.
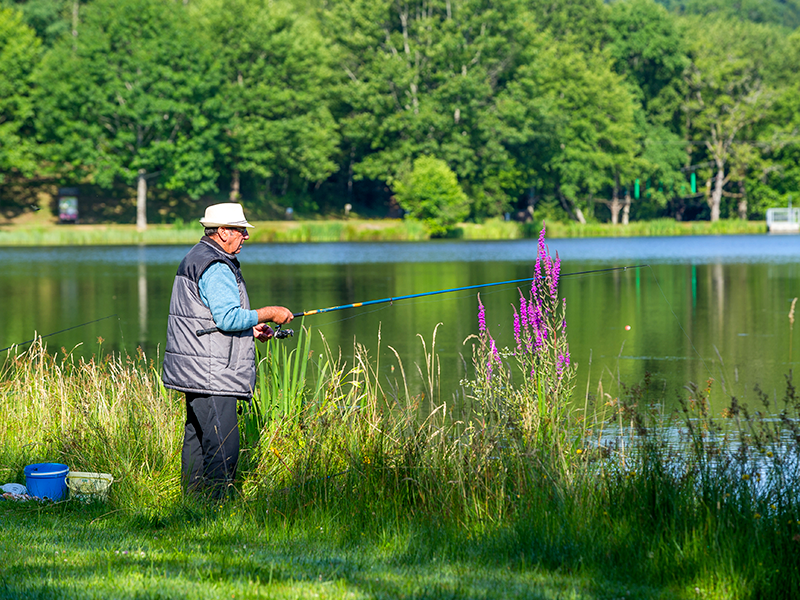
50	19
19	53
278	79
774	176
430	193
582	23
649	50
785	13
728	100
133	96
571	119
422	79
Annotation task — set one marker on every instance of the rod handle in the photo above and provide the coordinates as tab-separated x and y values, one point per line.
201	332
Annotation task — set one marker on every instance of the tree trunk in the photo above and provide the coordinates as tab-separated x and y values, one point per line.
742	208
141	202
715	200
626	209
75	7
615	205
567	206
531	203
234	197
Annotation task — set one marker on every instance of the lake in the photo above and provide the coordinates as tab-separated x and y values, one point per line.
686	308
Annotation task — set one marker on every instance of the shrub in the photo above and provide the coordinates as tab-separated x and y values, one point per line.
430	193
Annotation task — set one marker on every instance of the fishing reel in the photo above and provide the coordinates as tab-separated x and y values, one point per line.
282	334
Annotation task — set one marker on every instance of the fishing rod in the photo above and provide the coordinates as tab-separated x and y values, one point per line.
283	333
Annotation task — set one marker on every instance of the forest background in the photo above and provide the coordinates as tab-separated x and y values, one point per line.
462	109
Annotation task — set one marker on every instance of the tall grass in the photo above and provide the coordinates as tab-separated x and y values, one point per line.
656	227
685	499
180	233
107	414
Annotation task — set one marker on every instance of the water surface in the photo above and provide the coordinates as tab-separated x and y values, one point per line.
688	301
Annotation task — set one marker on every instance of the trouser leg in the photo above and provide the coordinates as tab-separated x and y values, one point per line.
192	452
211	442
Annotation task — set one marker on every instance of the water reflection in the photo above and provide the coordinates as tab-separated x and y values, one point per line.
142	289
697	301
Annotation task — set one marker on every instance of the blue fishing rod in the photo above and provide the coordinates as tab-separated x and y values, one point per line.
284	333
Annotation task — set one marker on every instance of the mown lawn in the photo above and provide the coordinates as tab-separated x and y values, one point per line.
71	550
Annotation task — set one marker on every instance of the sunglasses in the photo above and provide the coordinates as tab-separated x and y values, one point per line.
242	230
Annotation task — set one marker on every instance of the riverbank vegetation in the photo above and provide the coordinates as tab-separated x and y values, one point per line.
356	230
596	112
350	486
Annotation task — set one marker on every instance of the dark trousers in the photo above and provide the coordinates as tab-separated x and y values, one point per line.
210	444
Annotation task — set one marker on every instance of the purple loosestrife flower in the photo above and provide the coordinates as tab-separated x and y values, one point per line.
517	331
539	325
562	363
554	282
481	317
523	310
496	354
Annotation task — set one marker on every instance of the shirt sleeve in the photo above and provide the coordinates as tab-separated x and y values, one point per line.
220	293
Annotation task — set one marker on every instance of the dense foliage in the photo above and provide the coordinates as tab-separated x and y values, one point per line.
588	111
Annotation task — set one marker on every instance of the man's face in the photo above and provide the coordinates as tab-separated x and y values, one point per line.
232	238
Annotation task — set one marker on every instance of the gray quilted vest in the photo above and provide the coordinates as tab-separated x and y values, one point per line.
220	363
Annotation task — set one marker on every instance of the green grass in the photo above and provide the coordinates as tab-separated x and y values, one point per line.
46	234
78	552
657	227
365	491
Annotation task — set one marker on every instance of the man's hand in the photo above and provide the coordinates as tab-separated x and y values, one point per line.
279	315
262	332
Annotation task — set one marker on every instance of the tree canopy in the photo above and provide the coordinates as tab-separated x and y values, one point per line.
558	107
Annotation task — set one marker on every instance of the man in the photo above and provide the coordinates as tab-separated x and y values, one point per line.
217	369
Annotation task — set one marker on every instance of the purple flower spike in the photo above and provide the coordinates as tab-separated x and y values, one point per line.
523	311
496	354
554	283
481	317
517	330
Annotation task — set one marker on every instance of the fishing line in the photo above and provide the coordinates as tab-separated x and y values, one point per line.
57	332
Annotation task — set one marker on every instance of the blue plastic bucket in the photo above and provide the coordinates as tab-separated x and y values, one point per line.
47	480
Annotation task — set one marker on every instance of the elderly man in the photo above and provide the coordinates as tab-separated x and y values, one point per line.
218	369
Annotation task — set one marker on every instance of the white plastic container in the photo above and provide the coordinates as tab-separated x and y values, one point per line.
89	486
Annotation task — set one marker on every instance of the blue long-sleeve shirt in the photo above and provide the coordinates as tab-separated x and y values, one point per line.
219	292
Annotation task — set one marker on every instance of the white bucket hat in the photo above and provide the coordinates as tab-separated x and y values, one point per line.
227	214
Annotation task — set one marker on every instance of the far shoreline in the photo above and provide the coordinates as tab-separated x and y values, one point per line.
44	233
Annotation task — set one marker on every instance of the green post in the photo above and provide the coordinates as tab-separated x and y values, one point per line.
694	183
636	189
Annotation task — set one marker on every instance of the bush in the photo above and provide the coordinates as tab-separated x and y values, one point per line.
430	193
